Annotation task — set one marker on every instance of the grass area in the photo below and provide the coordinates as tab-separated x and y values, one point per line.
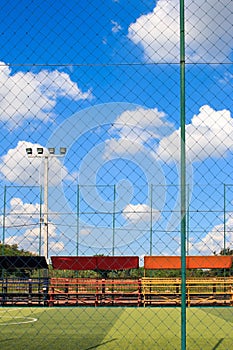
114	328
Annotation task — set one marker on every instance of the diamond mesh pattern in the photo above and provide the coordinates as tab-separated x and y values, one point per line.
102	80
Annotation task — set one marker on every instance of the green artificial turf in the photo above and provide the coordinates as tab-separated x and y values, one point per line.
86	328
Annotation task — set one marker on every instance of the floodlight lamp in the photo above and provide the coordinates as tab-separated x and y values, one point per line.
51	150
40	150
29	151
62	150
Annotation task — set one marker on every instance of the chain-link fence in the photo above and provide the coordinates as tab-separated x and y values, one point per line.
116	160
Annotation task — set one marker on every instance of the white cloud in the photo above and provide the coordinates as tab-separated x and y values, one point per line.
208	135
21	214
29	241
133	129
18	207
26	216
16	167
85	231
27	95
121	148
213	241
227	79
132	124
140	213
209	31
56	247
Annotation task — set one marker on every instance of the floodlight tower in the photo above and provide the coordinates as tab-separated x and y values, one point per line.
46	156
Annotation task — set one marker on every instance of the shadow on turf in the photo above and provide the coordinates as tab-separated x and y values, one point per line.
5	340
218	343
104	343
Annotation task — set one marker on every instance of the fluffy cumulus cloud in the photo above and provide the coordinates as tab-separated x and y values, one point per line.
18	168
213	241
26	217
30	240
56	247
141	124
132	129
121	148
21	214
140	213
209	31
208	135
27	95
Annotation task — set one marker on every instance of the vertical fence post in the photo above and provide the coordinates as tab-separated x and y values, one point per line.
183	176
40	227
3	227
187	230
78	221
151	219
4	221
114	220
224	219
224	225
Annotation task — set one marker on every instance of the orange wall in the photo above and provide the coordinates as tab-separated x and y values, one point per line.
192	262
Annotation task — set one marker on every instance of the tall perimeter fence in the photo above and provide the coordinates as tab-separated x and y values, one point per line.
116	160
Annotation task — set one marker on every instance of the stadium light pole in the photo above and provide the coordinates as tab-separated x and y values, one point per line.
46	156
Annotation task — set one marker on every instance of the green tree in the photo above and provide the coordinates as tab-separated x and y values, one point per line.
13	250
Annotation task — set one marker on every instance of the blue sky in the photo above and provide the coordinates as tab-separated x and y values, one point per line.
103	79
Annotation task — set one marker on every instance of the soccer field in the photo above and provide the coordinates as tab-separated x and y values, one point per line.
114	328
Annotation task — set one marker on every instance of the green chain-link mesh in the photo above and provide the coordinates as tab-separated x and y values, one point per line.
116	142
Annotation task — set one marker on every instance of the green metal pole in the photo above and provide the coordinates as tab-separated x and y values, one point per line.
77	228
4	221
78	220
187	239
224	220
40	228
224	233
4	227
183	175
151	219
114	220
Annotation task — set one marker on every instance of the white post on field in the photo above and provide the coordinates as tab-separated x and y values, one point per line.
46	208
50	153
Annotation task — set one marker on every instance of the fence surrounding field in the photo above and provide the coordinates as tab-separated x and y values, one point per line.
116	141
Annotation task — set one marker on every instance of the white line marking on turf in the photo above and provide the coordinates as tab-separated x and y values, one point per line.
25	320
